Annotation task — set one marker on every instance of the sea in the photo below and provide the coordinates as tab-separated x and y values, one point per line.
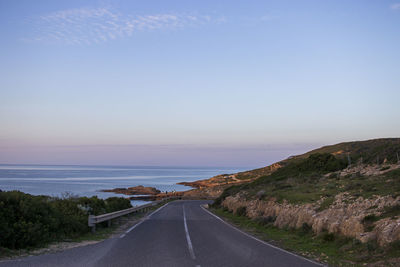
83	180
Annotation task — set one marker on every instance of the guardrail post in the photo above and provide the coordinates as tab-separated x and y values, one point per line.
91	223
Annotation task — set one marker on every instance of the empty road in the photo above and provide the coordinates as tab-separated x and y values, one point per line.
180	233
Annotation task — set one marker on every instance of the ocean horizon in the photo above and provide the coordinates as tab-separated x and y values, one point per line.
89	180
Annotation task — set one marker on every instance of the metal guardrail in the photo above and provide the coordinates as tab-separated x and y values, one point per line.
93	220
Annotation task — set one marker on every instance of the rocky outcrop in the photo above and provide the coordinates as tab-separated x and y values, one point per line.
369	170
136	190
387	230
219	180
232	179
344	217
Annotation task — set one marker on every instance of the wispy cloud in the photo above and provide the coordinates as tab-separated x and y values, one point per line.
395	6
268	17
95	25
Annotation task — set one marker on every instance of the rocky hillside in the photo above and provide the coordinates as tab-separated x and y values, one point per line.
376	151
349	189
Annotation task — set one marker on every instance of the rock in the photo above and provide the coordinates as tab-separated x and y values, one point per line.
260	194
387	230
365	237
137	190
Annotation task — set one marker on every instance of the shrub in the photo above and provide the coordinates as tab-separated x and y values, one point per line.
306	228
322	162
93	205
391	211
265	220
117	203
227	192
372	246
241	211
29	221
370	218
225	209
368	222
328	237
333	175
326	203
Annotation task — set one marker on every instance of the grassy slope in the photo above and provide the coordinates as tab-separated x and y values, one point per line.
370	151
302	179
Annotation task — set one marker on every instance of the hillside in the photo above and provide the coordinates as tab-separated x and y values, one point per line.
375	151
349	189
359	153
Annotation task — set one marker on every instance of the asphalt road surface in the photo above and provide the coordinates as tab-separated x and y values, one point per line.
181	233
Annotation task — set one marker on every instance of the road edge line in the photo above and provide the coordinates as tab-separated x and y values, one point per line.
259	240
143	220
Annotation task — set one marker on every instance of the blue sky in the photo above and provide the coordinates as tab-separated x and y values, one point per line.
231	83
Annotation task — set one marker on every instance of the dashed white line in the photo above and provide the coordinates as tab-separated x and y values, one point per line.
265	243
190	246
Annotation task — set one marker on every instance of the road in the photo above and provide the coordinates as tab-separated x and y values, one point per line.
181	233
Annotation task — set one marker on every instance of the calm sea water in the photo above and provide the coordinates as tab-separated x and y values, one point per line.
57	180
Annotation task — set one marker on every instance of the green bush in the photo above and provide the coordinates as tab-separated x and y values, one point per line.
306	228
265	220
321	163
370	218
328	237
92	205
30	221
117	203
241	211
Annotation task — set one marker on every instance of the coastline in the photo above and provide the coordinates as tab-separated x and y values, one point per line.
89	181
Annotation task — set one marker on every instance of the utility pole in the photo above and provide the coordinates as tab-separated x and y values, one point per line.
348	159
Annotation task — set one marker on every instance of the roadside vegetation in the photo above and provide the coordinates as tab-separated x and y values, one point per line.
331	178
325	247
118	226
28	221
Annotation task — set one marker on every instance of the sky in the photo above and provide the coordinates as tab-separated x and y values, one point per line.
194	83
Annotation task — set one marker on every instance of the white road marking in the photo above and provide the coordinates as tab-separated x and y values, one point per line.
259	240
190	246
133	227
157	210
143	220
